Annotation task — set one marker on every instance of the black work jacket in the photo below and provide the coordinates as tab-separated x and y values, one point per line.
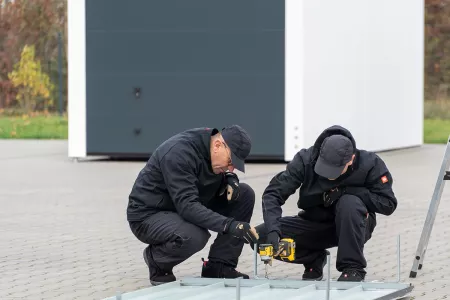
178	177
367	178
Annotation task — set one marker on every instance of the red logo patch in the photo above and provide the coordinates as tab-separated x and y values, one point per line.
384	179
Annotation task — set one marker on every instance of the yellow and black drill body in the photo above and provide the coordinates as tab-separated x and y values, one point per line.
286	252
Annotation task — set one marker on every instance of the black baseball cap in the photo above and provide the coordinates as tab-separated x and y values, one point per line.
240	144
336	151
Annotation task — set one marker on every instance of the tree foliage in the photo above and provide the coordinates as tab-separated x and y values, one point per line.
37	22
31	83
437	49
30	22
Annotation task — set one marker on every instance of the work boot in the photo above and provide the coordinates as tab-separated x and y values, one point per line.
220	270
352	275
157	276
314	270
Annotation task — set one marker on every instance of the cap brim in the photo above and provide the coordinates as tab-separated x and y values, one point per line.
326	170
237	163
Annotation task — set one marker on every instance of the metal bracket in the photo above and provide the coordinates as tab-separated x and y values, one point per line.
447	175
137	92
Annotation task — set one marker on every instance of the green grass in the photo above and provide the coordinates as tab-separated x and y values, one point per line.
437	110
436	127
33	127
436	131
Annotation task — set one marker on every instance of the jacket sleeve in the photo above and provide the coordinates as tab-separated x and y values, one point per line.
281	186
377	194
178	169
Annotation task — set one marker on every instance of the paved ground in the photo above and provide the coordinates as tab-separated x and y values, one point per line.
64	235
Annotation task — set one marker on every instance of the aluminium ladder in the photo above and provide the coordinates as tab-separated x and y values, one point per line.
444	175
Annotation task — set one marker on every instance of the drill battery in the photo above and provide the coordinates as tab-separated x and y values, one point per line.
287	249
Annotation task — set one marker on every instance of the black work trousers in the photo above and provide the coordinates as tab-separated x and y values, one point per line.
345	225
172	240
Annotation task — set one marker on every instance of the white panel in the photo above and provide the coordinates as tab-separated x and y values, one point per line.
362	61
334	67
395	74
293	78
77	77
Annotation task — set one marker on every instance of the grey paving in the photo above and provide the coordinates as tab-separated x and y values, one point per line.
64	235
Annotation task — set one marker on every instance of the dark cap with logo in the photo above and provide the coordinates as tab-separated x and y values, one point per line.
336	151
240	144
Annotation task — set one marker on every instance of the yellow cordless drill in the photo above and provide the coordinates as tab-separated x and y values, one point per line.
286	251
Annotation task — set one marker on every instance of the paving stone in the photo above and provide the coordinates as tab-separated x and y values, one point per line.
64	233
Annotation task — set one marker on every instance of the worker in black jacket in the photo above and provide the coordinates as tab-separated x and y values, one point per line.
186	189
341	190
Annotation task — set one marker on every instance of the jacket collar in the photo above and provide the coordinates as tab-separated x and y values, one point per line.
206	134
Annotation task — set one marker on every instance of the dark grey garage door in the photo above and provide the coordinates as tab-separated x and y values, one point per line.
196	63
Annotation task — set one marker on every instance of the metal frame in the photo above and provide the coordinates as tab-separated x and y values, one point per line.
432	211
291	284
212	288
263	288
200	288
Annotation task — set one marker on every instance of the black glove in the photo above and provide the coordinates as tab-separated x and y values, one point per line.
331	196
243	230
274	239
231	186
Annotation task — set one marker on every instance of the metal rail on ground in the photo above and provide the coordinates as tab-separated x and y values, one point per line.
263	288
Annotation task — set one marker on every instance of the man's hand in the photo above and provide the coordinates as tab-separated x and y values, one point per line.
274	239
231	186
243	230
332	196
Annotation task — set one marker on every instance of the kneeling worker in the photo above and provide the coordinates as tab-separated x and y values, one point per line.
186	188
341	190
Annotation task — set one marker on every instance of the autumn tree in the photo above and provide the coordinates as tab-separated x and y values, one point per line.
30	22
31	82
437	48
10	18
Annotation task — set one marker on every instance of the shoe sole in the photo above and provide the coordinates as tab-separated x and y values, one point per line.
155	283
314	279
148	266
350	280
145	257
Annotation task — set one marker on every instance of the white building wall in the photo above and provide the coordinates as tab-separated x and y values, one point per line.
76	77
362	68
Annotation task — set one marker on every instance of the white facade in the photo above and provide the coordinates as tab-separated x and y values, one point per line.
76	15
355	63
